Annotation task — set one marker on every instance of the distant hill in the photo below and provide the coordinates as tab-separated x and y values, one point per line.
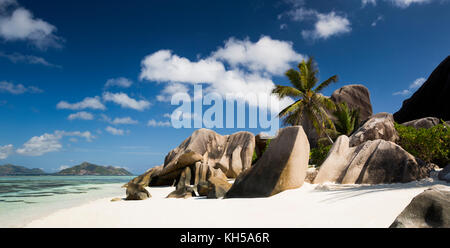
14	170
88	169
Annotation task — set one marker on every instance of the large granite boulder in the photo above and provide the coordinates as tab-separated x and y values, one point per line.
230	153
379	126
430	209
136	192
311	174
282	167
182	193
217	187
444	174
261	141
427	122
373	162
431	99
356	97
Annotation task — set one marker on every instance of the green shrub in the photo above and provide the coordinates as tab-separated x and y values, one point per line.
319	154
255	156
430	145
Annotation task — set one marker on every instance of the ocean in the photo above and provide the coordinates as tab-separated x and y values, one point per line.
26	198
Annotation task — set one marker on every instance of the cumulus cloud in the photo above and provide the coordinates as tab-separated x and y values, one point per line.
125	101
88	102
118	82
18	89
124	120
114	131
237	68
415	85
328	25
19	24
170	90
5	151
81	116
28	59
40	145
154	123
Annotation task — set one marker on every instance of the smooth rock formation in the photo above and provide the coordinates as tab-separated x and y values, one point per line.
427	122
379	126
431	99
183	193
204	149
444	174
373	162
356	97
217	187
282	167
430	209
136	192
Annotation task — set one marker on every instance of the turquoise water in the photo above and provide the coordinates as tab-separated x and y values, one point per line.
25	198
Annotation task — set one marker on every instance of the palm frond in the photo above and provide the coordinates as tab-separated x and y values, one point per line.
284	91
326	83
294	78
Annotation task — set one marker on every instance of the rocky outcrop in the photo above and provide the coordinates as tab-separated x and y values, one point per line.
431	99
379	126
261	141
183	193
373	162
427	122
444	174
430	209
356	97
311	174
136	192
282	167
230	153
217	187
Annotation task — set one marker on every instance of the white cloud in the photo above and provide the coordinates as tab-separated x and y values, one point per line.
88	102
170	90
266	55
63	167
114	131
18	89
40	145
19	24
415	85
118	82
81	115
5	151
379	18
251	67
154	123
125	101
125	120
397	3
328	25
28	59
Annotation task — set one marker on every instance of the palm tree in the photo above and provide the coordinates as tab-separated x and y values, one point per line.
346	119
310	103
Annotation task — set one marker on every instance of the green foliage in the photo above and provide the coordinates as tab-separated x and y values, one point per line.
255	156
346	119
309	104
319	154
430	145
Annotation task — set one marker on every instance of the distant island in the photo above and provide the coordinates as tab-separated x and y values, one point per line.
88	169
14	170
84	169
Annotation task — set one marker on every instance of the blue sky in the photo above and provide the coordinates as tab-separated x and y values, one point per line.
89	80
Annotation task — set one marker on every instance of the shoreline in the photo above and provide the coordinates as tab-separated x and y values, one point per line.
328	205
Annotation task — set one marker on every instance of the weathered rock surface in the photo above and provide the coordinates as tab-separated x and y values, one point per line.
261	143
136	192
427	122
230	153
444	174
379	126
282	167
356	97
182	192
217	187
431	99
430	209
311	174
373	162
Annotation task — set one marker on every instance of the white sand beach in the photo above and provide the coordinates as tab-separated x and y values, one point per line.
327	205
